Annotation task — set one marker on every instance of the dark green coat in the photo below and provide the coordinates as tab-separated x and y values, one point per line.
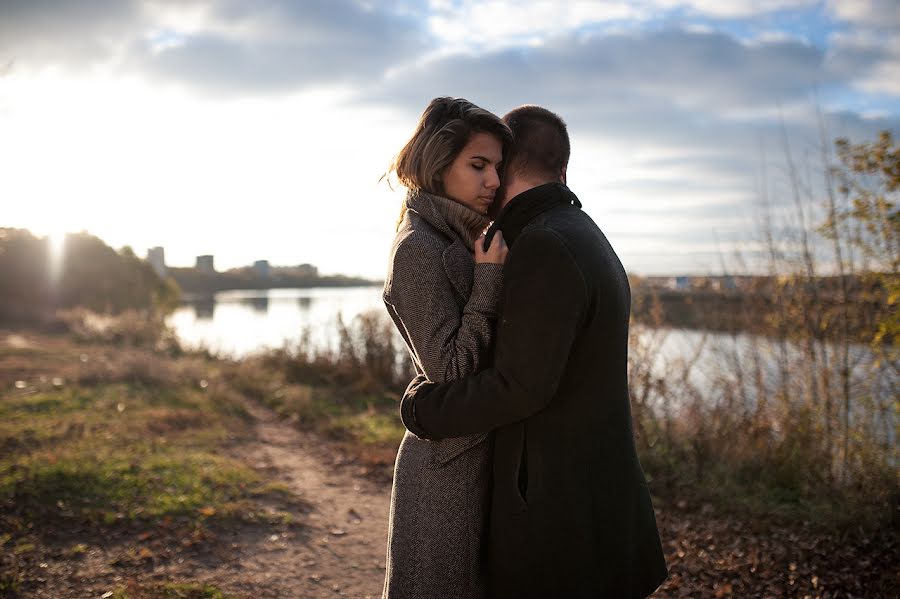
571	514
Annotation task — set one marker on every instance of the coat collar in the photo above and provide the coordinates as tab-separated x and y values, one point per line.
527	206
456	221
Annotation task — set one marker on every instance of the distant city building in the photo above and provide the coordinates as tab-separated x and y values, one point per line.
723	283
307	270
205	264
156	256
680	283
261	268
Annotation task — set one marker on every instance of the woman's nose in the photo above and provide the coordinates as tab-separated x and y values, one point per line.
492	181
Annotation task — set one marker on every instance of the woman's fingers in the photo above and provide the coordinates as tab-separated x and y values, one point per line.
496	252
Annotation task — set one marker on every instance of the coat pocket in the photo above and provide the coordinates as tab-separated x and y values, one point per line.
446	450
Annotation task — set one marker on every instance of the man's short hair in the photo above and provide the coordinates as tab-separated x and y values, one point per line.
541	143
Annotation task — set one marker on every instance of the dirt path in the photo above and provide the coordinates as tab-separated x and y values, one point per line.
341	550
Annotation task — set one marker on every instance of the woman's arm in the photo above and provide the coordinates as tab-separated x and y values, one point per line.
448	344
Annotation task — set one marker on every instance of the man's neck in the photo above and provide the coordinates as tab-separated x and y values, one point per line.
520	185
523	208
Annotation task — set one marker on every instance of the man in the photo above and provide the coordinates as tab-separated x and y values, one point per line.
571	515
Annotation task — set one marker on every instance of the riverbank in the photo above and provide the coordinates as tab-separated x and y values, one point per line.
154	472
752	304
203	284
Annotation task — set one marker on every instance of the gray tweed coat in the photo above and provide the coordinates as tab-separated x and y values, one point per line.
444	306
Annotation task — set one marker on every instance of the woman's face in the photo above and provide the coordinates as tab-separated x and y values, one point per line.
473	177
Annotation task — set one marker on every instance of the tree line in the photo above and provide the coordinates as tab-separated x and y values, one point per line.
36	279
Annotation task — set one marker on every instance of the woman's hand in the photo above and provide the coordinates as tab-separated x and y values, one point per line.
495	254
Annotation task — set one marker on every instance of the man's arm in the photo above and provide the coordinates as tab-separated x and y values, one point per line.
544	302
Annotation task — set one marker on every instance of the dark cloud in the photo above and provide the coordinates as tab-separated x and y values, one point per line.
695	71
40	32
671	89
246	47
290	45
719	108
872	13
713	99
868	59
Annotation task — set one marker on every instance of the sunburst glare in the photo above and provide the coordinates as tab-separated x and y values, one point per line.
56	246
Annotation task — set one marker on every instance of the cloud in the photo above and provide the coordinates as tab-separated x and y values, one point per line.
642	82
503	23
871	13
672	104
41	32
867	52
683	119
734	8
868	60
288	45
218	45
702	94
497	23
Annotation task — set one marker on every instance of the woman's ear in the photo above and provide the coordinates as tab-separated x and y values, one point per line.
562	176
437	183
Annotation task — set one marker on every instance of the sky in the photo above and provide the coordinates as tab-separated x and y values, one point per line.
260	130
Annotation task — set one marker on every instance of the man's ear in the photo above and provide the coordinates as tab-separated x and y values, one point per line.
562	176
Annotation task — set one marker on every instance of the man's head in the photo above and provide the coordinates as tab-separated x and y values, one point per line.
540	151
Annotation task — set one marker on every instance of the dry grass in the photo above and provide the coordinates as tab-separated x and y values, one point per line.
99	441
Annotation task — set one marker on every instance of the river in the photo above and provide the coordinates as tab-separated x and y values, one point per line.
238	323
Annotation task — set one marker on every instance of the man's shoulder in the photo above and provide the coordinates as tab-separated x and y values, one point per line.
565	223
571	228
542	233
567	215
541	246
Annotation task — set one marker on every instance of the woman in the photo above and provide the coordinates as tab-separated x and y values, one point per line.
442	291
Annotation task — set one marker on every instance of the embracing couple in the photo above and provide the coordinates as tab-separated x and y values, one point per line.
518	476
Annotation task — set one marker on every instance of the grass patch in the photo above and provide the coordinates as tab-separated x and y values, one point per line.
107	443
170	591
116	453
362	417
773	490
79	421
138	486
10	584
369	427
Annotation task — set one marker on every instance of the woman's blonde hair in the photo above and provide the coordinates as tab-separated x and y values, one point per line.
444	128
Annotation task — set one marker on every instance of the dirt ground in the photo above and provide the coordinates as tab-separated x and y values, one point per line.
341	551
335	546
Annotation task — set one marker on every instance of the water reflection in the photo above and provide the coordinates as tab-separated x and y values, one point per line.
242	321
204	308
257	304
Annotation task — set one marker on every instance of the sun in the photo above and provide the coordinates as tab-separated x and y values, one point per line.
56	245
